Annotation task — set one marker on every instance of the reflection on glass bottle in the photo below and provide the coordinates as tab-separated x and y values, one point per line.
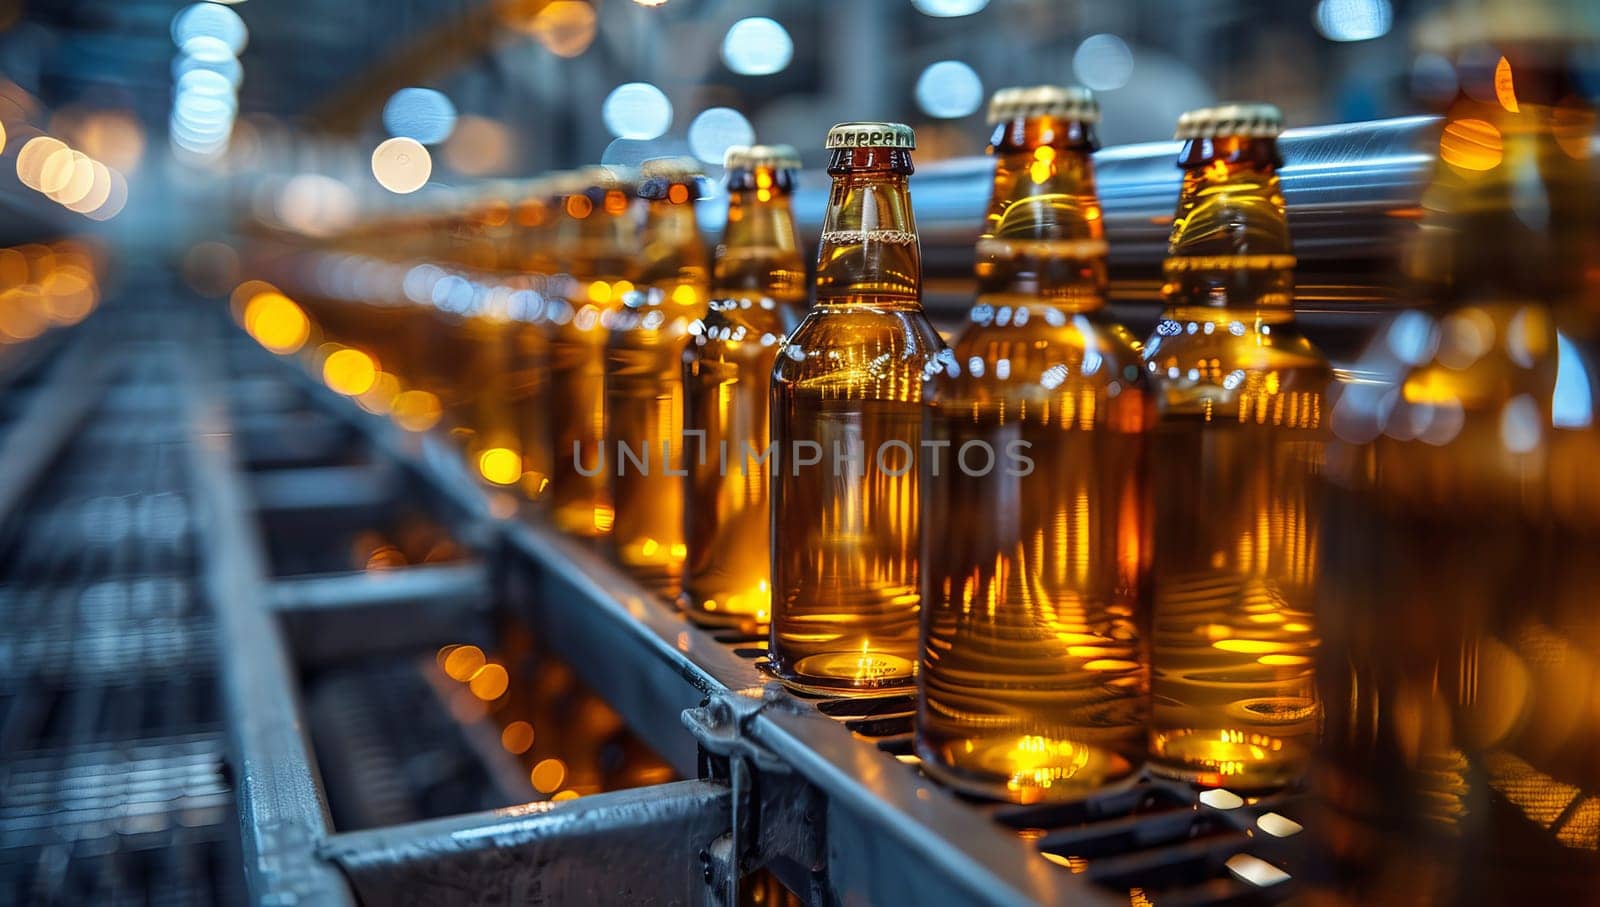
595	237
1238	442
1458	604
1034	673
644	378
759	289
847	422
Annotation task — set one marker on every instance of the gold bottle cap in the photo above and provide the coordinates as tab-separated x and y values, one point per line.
871	135
749	157
1251	121
671	169
1067	102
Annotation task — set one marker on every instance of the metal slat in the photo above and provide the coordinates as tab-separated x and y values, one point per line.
640	846
282	812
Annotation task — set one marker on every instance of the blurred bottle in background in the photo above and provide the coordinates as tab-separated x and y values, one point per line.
758	296
644	378
1034	673
1457	601
594	243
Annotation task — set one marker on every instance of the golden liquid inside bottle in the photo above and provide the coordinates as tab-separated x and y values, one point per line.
848	385
593	235
760	291
1458	598
645	394
1034	674
1237	447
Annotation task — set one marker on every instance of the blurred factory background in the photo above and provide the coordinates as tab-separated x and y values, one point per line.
176	107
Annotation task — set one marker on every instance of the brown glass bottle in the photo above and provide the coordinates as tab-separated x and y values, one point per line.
1034	675
1460	572
758	295
644	379
595	240
848	387
1239	393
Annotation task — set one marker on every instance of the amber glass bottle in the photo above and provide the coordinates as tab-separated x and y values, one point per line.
1458	599
1238	441
758	295
644	378
847	424
1034	673
594	238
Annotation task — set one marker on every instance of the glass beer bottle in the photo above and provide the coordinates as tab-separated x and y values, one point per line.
1034	673
594	237
1239	393
644	378
758	295
1458	596
847	425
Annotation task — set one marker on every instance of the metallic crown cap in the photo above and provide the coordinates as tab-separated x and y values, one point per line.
1253	121
601	176
671	169
1068	102
871	135
777	157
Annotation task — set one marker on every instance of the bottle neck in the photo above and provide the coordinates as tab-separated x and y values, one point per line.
760	250
674	254
1229	247
869	254
1043	237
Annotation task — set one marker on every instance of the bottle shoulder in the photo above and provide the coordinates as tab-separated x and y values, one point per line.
859	346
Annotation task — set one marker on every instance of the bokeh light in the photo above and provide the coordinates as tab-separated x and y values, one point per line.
757	46
489	682
479	146
213	21
401	165
949	89
949	9
500	465
1471	145
548	775
1103	62
717	129
32	157
276	322
420	113
350	372
517	737
565	27
1353	20
637	110
416	410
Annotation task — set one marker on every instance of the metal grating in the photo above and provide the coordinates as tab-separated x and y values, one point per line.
112	780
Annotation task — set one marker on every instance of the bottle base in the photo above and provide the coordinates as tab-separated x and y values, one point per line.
1028	769
848	674
1235	759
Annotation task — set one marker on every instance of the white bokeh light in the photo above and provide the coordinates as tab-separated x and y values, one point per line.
949	89
636	110
949	9
210	20
1353	20
1103	62
757	47
716	130
420	113
228	68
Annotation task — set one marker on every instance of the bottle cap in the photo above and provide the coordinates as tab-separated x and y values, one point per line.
748	157
1251	121
1068	102
671	169
871	135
